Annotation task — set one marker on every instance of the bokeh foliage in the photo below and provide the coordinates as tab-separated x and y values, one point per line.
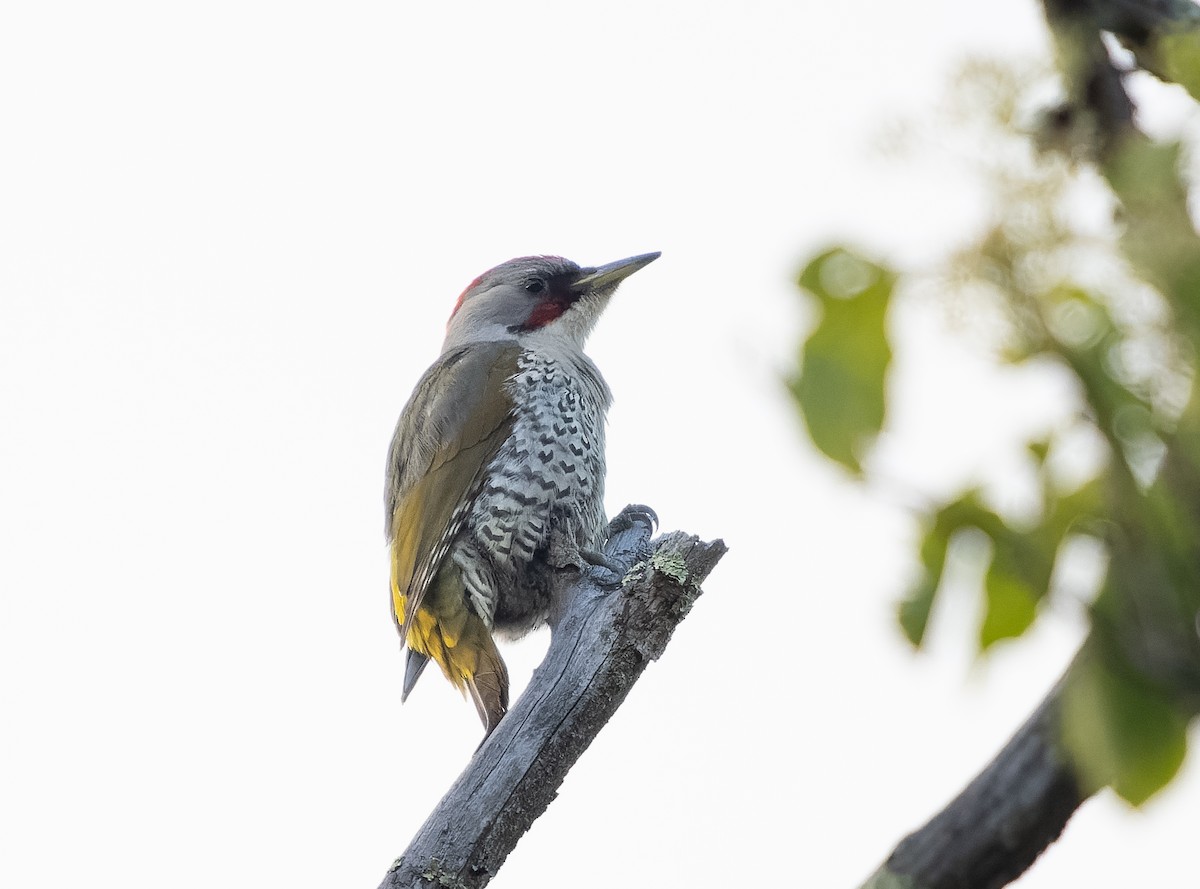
1121	316
846	358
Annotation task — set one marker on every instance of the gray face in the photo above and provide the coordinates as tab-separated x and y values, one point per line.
548	297
526	270
518	296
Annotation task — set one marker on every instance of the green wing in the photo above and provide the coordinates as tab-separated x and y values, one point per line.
457	418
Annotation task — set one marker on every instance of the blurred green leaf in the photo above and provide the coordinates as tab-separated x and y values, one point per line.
1121	730
1018	574
1077	511
1159	239
1122	415
1010	600
1023	561
1179	60
914	610
840	386
1039	450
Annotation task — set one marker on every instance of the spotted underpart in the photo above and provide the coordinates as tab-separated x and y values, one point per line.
541	499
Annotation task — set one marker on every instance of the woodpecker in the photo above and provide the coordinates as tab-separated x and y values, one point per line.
495	474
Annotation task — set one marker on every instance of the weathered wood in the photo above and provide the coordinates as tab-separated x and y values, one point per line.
601	643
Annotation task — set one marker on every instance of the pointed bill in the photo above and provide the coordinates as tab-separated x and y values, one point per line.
613	273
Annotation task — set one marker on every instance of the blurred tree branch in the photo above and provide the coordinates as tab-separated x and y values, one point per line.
994	830
600	646
1118	717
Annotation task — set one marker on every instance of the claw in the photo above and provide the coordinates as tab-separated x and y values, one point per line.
634	512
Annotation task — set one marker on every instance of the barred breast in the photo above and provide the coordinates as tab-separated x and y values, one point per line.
541	499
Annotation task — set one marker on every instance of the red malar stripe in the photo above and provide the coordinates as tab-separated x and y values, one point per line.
545	313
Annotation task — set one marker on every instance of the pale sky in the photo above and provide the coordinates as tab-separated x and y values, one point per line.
232	233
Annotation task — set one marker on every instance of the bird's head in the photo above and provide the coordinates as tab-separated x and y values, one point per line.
537	295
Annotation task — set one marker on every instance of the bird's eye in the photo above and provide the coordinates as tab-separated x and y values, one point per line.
535	285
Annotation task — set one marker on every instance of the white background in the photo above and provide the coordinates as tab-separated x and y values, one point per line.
230	234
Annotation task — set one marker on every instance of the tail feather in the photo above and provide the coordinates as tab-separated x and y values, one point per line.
467	656
489	689
413	667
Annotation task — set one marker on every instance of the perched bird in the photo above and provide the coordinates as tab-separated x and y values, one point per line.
495	475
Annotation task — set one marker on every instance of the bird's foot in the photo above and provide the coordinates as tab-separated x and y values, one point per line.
631	515
610	573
